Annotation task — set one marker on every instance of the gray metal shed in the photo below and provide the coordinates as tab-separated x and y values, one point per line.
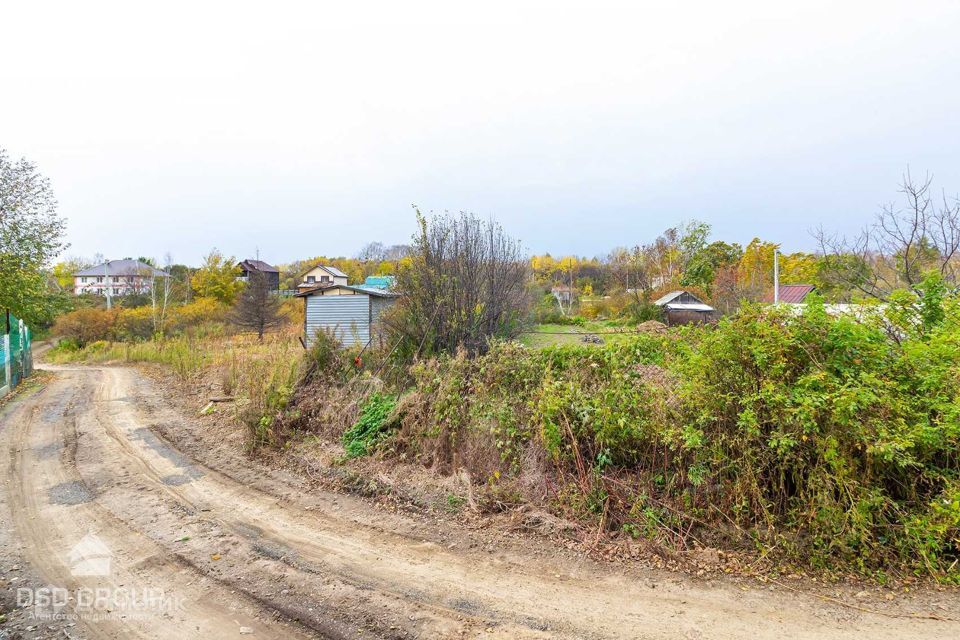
350	313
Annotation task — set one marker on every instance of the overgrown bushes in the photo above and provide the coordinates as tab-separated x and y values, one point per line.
86	325
833	440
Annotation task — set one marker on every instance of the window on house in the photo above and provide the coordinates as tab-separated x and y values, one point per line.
311	279
83	280
324	278
130	279
99	279
116	279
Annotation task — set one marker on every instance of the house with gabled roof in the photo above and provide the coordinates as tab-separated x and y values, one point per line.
117	278
682	307
322	276
271	273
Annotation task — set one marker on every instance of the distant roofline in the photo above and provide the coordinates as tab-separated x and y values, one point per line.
378	293
254	263
667	298
790	293
336	273
127	268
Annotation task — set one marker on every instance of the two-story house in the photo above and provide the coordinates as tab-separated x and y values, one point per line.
117	278
322	276
270	273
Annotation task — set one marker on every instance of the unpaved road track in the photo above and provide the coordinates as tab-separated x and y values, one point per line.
85	457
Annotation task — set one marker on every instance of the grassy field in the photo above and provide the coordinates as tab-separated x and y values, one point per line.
546	335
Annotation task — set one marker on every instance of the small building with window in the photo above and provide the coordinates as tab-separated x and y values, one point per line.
321	276
117	278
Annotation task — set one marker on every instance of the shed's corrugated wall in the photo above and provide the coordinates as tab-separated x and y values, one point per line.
348	317
377	306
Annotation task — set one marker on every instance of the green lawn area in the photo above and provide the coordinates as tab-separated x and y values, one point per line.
545	335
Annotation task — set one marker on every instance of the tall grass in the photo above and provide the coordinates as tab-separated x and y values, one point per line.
261	375
185	356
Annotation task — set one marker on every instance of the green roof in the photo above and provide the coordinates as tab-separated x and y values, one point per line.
378	282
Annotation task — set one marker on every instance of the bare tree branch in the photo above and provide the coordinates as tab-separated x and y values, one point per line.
900	247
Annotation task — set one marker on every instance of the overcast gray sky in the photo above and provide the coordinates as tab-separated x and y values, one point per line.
310	128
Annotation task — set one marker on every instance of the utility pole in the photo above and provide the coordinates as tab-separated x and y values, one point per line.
776	276
106	281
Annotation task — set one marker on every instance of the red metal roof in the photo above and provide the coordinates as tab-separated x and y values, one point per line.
792	293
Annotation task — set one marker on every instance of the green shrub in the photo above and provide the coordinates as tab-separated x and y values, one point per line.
555	317
326	359
371	426
833	441
819	437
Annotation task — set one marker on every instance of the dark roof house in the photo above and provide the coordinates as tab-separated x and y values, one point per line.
258	265
271	273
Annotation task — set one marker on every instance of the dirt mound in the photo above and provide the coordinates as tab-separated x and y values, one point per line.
652	326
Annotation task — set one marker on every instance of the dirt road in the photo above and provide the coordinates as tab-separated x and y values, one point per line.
98	500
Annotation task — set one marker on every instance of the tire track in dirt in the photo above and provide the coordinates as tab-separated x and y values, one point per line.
54	510
255	525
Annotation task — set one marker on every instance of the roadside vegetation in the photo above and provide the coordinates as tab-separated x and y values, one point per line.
260	375
795	436
827	441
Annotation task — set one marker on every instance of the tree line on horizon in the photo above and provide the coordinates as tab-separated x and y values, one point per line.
904	243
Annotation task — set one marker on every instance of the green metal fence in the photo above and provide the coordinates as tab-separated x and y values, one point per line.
16	355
